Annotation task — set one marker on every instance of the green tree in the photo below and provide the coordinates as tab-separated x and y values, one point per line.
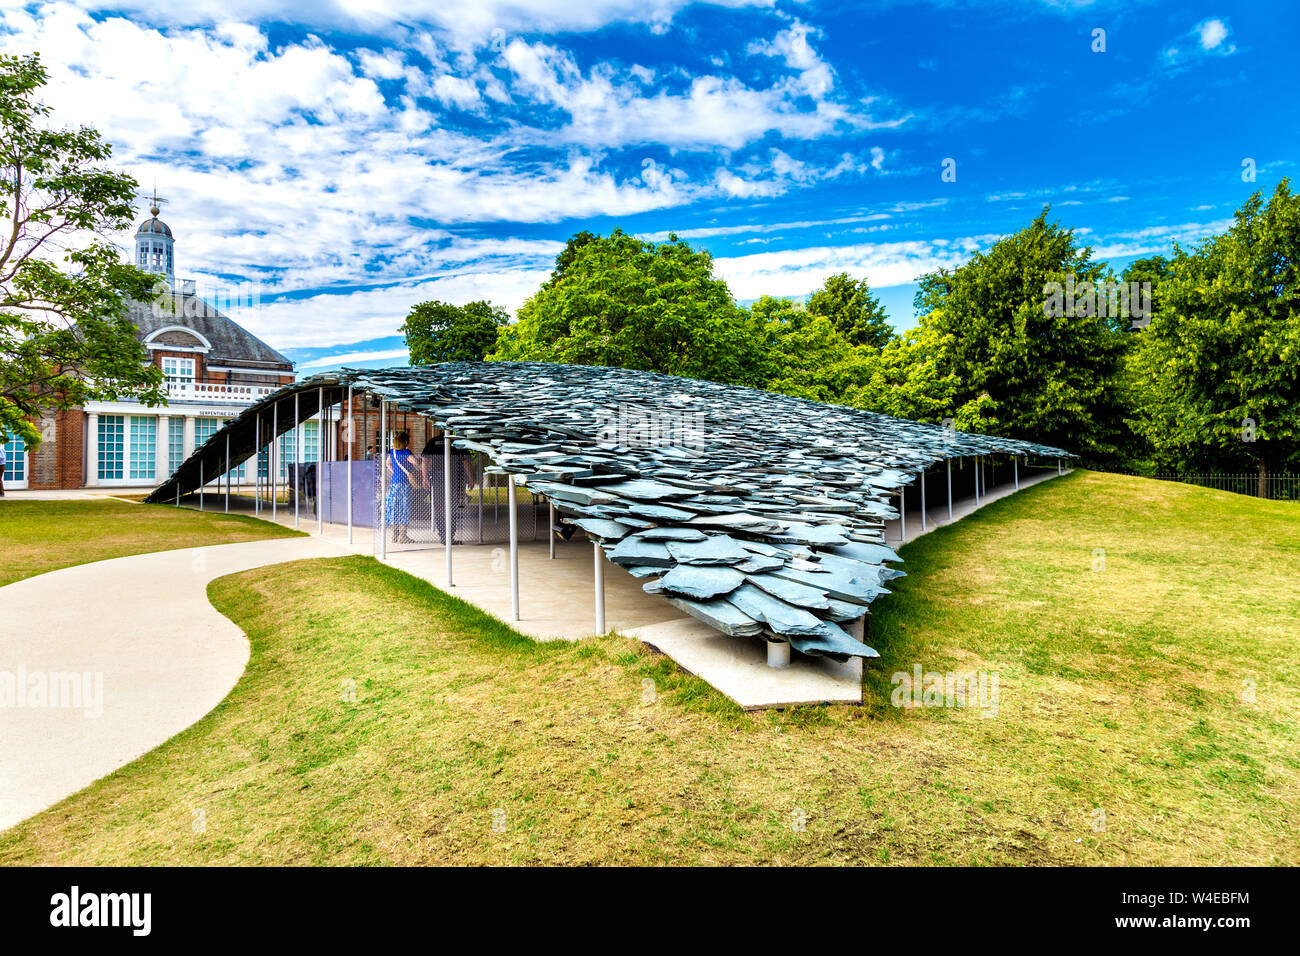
777	313
441	332
1048	372
1150	272
64	335
1221	357
805	355
809	357
915	384
622	301
853	310
569	253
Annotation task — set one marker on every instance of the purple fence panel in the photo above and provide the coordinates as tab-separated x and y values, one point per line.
334	492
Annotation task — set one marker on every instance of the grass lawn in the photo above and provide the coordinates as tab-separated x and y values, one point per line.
38	536
1121	690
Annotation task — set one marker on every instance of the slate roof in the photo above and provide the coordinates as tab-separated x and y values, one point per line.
232	344
752	511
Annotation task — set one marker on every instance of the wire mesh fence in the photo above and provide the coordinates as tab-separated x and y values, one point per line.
1272	487
407	503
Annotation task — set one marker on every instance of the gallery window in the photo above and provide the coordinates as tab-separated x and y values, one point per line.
15	460
144	446
111	447
176	369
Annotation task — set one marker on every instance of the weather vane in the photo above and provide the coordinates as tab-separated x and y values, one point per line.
155	201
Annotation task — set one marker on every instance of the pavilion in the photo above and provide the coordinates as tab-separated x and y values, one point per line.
760	515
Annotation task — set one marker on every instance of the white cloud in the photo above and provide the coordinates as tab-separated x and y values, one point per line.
781	171
467	22
331	320
348	182
353	358
795	272
388	65
1212	33
1158	239
816	78
1209	38
709	232
608	106
289	166
456	91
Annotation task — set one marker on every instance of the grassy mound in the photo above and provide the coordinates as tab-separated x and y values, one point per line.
38	536
1145	715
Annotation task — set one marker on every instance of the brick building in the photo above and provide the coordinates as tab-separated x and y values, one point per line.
213	367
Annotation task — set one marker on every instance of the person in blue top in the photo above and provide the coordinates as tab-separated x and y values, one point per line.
401	471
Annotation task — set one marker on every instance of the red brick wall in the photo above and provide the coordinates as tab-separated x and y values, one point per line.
202	374
366	433
57	462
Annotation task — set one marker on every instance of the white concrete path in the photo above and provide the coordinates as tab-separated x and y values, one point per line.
936	505
143	626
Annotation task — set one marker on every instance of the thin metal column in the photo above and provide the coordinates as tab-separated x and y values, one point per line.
447	530
950	489
349	443
200	484
479	458
924	526
977	481
1015	470
257	468
1058	466
514	548
297	459
902	514
273	456
334	433
227	472
320	464
550	526
382	479
598	556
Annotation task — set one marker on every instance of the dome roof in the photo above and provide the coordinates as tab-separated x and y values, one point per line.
154	226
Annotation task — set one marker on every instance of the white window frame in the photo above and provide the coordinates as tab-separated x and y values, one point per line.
14	453
141	448
183	369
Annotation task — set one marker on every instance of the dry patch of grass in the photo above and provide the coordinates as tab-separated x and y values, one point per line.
38	536
1121	690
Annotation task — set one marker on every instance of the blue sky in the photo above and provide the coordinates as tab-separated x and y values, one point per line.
353	159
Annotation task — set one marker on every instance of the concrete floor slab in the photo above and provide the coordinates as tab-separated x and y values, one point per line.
557	598
936	506
737	666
